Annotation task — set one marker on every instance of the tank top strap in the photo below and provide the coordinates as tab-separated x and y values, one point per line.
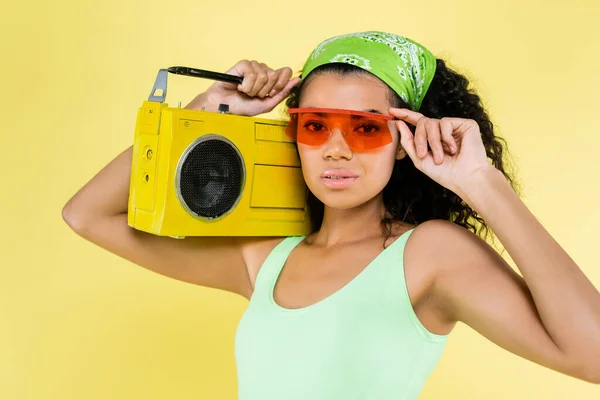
273	264
396	292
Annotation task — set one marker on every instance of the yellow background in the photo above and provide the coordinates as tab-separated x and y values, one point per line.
77	322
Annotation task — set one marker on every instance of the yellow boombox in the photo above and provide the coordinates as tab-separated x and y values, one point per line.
200	173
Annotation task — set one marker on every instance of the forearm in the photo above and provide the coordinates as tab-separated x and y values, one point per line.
567	302
202	102
106	194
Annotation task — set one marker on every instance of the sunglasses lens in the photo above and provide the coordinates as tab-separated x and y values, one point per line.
366	133
361	132
290	129
308	128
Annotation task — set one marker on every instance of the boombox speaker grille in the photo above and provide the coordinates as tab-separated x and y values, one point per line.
210	177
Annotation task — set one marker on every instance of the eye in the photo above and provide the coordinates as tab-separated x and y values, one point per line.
367	128
313	126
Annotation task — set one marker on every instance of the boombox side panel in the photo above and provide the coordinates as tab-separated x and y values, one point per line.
143	179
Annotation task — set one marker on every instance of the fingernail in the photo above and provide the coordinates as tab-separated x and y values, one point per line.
420	150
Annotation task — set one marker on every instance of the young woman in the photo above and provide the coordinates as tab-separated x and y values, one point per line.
404	171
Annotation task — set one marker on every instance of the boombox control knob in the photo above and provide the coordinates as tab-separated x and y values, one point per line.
223	108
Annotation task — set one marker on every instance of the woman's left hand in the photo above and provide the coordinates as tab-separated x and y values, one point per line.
457	155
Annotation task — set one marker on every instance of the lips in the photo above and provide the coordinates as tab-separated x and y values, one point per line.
338	174
338	178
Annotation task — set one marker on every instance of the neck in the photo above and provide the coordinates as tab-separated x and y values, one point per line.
350	225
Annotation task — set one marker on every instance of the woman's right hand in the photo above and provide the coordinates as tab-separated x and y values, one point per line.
261	90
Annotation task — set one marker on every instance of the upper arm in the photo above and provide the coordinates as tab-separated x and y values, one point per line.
476	286
216	262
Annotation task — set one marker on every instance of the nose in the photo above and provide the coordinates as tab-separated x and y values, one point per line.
336	146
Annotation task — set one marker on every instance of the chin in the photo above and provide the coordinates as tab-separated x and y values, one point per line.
342	199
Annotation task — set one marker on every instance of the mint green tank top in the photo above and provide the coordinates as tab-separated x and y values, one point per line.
362	342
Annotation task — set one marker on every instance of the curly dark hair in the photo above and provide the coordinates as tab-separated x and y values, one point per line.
410	195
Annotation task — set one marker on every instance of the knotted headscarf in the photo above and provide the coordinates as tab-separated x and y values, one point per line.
403	64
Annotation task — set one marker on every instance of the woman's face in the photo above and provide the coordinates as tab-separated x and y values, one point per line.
370	171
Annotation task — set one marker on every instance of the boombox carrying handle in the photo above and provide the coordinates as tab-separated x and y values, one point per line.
159	84
161	79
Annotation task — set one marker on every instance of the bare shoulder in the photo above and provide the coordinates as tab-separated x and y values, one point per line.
440	227
255	252
441	249
438	237
429	251
438	245
448	245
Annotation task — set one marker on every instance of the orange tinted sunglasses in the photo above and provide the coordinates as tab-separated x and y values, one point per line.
363	131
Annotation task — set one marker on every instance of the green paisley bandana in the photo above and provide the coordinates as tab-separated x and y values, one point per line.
406	66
